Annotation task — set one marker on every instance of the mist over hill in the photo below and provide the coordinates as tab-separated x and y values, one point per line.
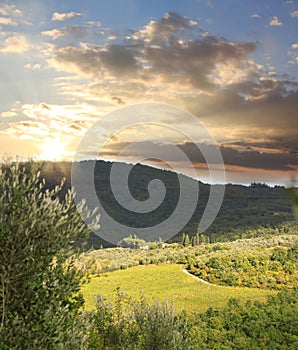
244	209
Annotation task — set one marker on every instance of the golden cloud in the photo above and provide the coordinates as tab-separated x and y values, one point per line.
64	16
16	44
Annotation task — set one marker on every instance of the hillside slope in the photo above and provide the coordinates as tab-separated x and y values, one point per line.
244	209
167	282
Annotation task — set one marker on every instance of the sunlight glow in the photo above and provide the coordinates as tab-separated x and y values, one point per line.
53	149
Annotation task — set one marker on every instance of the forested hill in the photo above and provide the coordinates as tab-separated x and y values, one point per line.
245	210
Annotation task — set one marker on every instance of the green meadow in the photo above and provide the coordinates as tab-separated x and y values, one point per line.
169	281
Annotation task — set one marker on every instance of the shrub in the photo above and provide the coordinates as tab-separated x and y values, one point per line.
128	325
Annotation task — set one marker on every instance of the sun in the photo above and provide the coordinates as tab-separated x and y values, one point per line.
52	149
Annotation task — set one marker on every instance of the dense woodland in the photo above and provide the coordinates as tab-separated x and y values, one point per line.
243	212
43	269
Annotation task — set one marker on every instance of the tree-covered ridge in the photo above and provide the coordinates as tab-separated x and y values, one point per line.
243	212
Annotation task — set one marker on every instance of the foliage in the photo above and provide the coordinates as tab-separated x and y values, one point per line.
125	324
269	325
266	268
39	288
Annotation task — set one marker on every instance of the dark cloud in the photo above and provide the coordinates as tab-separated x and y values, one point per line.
193	62
259	160
118	60
282	143
43	105
264	88
248	158
272	115
118	100
96	61
78	125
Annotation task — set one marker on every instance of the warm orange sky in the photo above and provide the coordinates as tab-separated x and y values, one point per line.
65	65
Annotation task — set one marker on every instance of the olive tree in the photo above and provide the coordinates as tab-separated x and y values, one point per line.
40	296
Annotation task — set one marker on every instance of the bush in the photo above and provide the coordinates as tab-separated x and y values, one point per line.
128	325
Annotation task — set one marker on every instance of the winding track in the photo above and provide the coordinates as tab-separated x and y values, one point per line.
197	278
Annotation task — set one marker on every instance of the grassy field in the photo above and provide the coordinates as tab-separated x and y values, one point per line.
159	282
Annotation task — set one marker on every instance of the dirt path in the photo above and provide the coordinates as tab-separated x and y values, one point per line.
197	278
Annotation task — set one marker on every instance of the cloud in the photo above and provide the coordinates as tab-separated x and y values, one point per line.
294	13
10	10
64	16
247	158
165	28
58	113
197	62
28	130
43	105
283	144
35	66
172	60
293	54
113	37
259	160
272	74
11	15
7	21
46	123
172	49
118	100
255	15
8	114
95	61
16	44
60	121
275	22
75	31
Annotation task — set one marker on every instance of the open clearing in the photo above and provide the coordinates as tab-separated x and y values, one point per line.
159	282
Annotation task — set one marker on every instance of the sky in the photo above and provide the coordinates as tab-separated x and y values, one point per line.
64	65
